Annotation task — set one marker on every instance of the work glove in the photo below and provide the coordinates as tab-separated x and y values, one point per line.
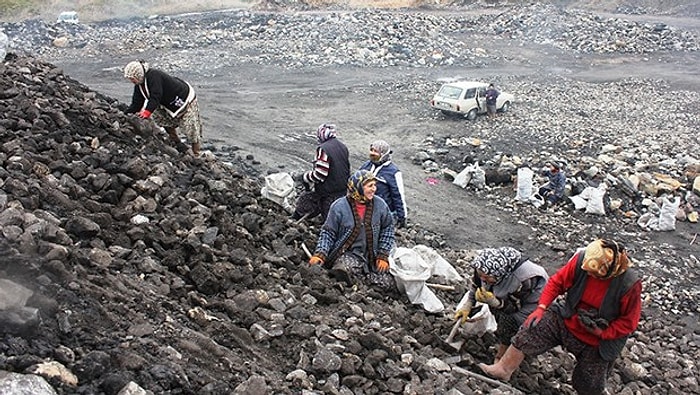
144	114
463	313
484	296
534	318
316	260
382	265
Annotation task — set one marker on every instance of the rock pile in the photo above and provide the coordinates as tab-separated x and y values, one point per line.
354	38
155	271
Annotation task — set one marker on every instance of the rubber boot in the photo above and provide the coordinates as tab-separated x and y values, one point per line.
195	149
500	350
505	366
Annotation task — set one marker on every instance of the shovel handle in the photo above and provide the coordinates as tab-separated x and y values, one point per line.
455	327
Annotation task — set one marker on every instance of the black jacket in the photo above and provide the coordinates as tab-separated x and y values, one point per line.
159	88
337	181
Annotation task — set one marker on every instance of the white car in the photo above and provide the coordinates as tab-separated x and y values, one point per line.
68	17
468	99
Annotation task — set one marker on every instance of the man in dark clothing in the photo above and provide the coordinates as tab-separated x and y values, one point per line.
171	101
491	97
329	176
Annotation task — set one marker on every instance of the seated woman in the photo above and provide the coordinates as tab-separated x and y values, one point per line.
358	235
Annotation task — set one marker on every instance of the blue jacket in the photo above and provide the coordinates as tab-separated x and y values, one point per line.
340	226
389	186
557	182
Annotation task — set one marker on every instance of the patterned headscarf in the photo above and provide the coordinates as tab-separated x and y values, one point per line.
605	259
355	183
136	69
497	262
325	132
382	147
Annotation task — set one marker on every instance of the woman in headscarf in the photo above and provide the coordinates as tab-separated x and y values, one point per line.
327	181
389	180
358	235
510	285
600	311
171	102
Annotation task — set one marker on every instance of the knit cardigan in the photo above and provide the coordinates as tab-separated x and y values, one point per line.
340	227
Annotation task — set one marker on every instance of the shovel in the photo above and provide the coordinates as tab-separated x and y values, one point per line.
450	341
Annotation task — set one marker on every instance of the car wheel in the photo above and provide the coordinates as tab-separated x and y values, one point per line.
505	107
471	115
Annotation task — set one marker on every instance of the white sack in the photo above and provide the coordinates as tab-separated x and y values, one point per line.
412	267
595	202
463	177
478	179
524	183
648	221
279	187
667	216
481	322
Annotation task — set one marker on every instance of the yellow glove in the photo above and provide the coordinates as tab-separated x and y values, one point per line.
484	296
463	312
316	260
382	265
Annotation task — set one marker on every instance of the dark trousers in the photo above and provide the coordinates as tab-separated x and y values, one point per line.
590	372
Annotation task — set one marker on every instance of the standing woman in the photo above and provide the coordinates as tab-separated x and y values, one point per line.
169	100
389	180
358	235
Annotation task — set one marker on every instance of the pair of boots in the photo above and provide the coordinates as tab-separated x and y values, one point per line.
504	366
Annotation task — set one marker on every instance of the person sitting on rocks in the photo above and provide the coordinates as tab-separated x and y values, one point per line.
327	181
171	102
358	235
600	311
553	191
510	285
389	180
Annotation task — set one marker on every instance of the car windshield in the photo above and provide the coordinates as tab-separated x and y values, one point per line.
450	92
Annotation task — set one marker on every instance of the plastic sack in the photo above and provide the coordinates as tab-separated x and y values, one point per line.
648	221
667	216
595	202
279	187
463	177
412	267
4	42
471	175
590	199
481	322
478	179
524	184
